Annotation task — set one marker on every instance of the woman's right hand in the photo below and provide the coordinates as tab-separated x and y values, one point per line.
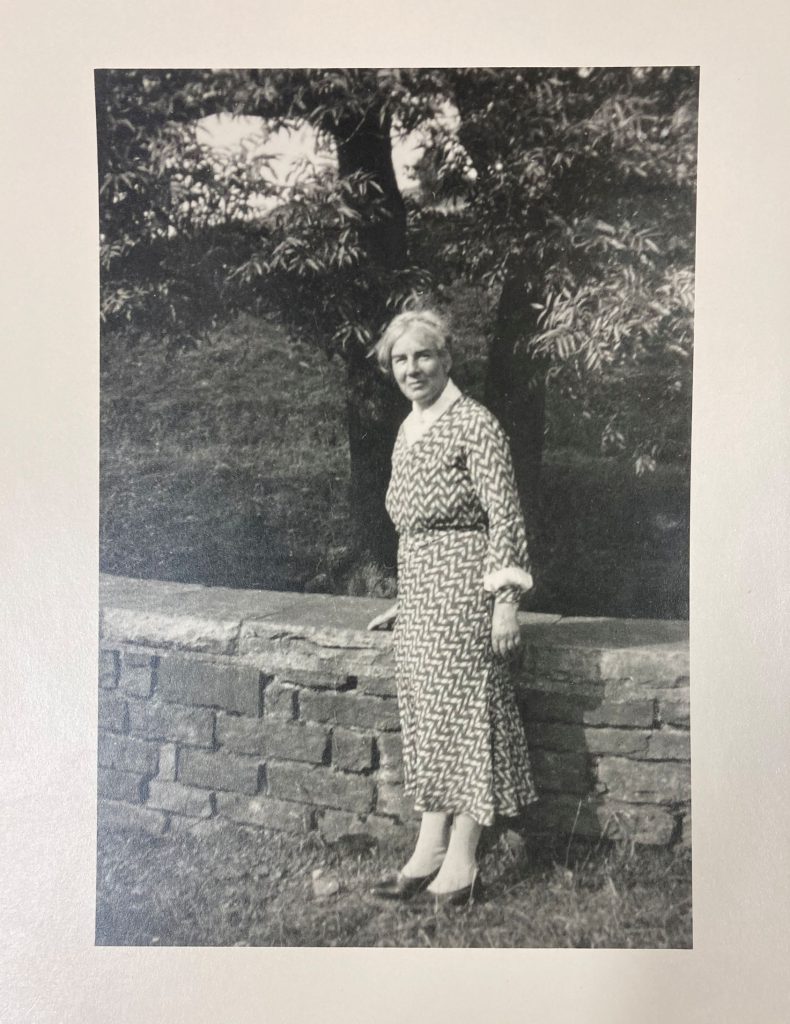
386	620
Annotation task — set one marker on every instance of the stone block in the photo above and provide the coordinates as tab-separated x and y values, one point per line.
127	753
334	824
390	775
674	712
387	830
656	665
379	686
616	741
629	689
331	677
554	736
392	800
112	711
219	770
231	686
324	787
168	762
264	812
351	751
641	824
280	700
137	674
241	733
555	707
390	749
315	641
297	741
669	745
553	661
659	782
349	709
562	771
172	796
634	714
138	659
175	615
108	669
114	814
157	720
125	786
593	691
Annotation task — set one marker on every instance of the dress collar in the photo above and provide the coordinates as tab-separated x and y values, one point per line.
420	420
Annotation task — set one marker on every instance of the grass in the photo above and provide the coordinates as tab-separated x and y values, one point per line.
242	887
228	465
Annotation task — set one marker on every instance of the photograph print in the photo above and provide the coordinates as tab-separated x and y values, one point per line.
396	379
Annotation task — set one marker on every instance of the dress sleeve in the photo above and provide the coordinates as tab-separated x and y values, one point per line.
507	567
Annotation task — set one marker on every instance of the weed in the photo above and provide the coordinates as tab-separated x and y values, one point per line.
235	886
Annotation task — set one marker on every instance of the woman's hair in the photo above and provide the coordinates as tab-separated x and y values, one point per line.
424	322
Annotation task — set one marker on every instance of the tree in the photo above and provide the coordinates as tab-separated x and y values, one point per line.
570	196
577	197
332	257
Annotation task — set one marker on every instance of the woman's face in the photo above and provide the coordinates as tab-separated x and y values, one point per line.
420	371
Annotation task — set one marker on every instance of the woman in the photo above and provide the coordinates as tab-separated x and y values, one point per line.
462	565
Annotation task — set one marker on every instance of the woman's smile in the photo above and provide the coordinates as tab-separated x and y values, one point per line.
420	371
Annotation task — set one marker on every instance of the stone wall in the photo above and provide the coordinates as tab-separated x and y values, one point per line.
279	711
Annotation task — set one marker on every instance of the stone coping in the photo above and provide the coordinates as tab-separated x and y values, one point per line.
158	613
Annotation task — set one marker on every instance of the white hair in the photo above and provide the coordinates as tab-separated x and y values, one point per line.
423	322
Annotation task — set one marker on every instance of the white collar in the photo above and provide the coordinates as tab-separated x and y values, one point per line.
419	420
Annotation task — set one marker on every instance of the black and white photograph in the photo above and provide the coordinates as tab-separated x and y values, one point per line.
396	381
396	429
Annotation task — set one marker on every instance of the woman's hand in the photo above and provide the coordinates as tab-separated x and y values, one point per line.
505	634
386	620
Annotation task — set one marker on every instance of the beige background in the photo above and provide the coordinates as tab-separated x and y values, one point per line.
49	369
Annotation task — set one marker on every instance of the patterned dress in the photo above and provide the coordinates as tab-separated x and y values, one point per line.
453	500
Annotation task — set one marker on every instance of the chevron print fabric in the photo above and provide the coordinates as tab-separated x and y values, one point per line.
453	500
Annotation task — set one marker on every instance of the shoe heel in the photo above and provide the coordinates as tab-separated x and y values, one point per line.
458	897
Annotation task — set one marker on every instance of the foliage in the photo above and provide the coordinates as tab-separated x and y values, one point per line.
312	265
228	465
171	205
583	180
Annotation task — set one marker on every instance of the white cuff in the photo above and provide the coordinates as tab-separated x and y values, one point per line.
512	576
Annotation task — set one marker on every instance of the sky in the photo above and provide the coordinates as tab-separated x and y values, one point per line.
289	147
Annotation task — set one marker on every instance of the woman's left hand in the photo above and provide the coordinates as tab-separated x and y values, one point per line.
505	633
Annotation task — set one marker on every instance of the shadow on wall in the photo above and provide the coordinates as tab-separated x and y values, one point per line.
279	711
606	709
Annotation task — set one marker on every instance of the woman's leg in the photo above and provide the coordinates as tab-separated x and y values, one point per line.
431	845
459	865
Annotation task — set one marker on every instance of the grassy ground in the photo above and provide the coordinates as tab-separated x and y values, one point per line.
228	464
243	887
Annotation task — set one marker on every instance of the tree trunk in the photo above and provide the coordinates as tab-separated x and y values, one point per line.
516	387
374	406
374	413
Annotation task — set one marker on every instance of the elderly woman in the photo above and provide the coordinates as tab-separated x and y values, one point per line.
462	566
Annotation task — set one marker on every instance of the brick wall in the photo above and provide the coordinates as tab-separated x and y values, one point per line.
280	711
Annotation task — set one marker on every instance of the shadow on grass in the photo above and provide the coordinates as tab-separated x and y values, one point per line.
228	465
232	886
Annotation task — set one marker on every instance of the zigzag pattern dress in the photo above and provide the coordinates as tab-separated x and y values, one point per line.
453	500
